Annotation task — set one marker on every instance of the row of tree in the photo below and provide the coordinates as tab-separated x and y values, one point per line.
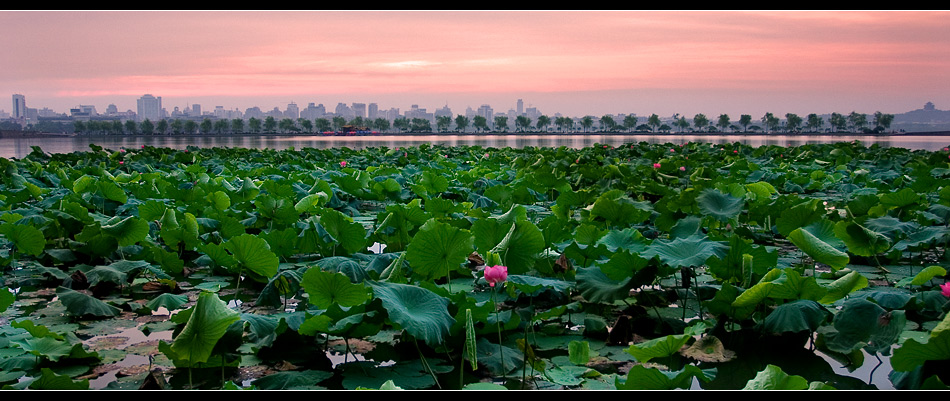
853	122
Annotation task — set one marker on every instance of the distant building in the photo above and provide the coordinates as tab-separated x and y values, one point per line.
292	111
149	108
19	106
373	111
359	110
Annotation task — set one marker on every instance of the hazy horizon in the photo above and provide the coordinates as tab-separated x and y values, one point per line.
570	62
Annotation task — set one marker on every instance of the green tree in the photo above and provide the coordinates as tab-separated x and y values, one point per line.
744	121
882	121
79	127
338	123
162	126
237	125
222	125
401	124
306	124
700	121
857	121
442	123
322	124
543	123
587	122
421	125
147	127
177	125
131	127
461	123
654	122
116	126
723	122
838	122
381	124
286	125
191	126
254	124
607	123
682	123
480	123
270	124
770	122
792	122
522	123
501	123
206	126
629	122
813	122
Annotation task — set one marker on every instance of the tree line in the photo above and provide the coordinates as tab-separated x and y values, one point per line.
812	123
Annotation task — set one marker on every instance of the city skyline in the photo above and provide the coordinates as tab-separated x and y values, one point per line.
573	63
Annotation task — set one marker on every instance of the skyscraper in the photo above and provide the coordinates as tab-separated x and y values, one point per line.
19	106
150	108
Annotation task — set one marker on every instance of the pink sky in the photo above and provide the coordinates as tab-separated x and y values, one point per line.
572	62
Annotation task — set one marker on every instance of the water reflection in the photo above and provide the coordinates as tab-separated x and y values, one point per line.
20	147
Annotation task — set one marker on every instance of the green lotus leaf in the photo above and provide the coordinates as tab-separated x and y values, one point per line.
438	248
819	250
208	322
619	210
722	207
520	247
110	190
46	347
798	216
796	316
773	378
49	380
329	288
643	378
219	200
168	301
661	347
306	379
127	231
253	253
597	287
912	353
685	252
420	312
862	241
79	304
27	239
343	231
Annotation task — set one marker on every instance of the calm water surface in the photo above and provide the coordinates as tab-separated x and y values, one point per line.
20	147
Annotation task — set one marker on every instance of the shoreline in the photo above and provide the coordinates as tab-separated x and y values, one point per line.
22	134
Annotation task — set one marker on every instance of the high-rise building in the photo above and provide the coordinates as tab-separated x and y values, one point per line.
520	107
486	111
19	106
149	108
359	110
292	111
373	112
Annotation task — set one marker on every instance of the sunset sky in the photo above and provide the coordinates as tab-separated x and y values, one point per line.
570	62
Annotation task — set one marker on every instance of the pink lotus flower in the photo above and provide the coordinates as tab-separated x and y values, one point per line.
343	164
577	161
122	150
946	149
735	151
656	165
121	162
673	150
682	168
495	274
945	289
143	146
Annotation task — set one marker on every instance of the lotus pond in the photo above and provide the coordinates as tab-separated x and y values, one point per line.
641	266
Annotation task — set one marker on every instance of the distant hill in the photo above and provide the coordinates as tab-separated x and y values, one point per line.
929	118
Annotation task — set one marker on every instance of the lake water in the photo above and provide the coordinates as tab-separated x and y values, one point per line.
20	147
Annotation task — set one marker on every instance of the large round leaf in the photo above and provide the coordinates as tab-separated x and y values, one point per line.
438	248
819	250
254	254
796	316
208	322
27	239
328	288
720	206
685	252
421	312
